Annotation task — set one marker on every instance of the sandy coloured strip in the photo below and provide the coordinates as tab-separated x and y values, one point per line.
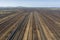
25	37
30	29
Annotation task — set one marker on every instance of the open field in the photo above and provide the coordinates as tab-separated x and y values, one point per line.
30	24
